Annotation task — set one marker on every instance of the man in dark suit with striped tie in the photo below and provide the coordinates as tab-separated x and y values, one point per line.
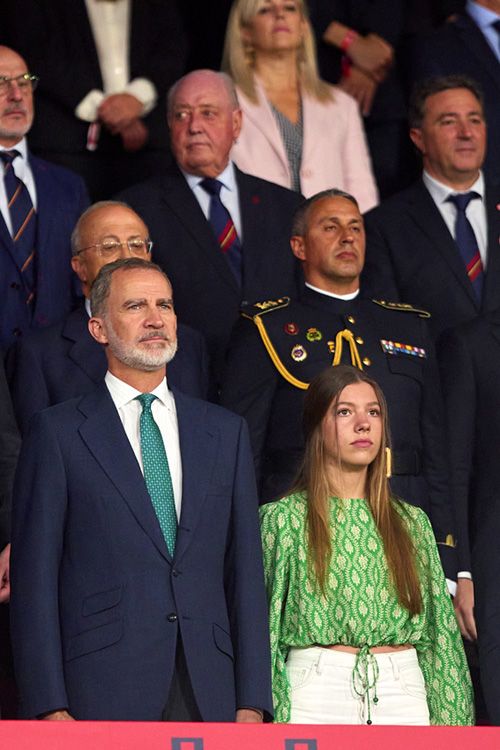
221	235
39	205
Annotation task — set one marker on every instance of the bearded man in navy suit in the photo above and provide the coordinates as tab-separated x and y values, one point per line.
117	613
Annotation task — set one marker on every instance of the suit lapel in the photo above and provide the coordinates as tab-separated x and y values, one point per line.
427	217
473	39
104	436
252	218
86	353
199	444
491	297
181	201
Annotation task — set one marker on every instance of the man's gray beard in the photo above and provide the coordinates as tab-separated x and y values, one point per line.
140	359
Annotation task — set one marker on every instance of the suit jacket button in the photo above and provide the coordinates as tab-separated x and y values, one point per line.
15	285
175	573
172	617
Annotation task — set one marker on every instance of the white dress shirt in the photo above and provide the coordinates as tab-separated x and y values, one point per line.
110	24
23	171
475	211
229	195
485	18
165	415
347	297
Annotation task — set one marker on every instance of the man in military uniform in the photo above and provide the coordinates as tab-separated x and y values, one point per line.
280	345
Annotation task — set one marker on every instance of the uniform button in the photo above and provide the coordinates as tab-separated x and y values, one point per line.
351	319
17	332
367	361
15	285
172	617
359	340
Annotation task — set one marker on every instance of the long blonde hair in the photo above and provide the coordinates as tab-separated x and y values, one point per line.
312	479
238	61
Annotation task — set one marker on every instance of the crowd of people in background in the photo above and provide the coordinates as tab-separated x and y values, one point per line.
250	254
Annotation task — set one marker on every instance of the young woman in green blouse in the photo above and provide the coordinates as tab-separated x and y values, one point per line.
362	626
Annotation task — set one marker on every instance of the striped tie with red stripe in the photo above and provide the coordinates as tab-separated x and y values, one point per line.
223	226
467	242
23	220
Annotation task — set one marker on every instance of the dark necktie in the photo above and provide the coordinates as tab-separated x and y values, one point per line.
496	26
157	472
223	226
23	220
467	242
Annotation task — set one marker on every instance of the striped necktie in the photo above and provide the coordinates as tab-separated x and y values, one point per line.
157	472
223	226
23	220
467	242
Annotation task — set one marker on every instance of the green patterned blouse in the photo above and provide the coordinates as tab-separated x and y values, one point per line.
360	606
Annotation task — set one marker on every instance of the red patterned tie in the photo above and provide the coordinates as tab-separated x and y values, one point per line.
23	220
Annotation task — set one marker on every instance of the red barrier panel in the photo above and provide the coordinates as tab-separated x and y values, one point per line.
90	735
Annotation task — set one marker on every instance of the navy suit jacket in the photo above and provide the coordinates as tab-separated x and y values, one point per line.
460	47
412	257
64	361
206	294
98	603
61	198
470	364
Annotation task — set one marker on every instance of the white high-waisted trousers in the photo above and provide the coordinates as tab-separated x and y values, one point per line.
329	687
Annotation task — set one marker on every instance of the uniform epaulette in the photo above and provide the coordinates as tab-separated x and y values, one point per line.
401	307
259	308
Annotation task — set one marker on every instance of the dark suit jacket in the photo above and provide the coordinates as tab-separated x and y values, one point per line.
206	294
272	404
460	47
98	603
64	361
470	368
9	449
61	198
59	46
411	256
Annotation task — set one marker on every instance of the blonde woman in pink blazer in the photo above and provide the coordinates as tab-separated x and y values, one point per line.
297	131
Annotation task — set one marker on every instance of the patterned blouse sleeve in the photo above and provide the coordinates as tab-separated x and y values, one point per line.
275	544
442	660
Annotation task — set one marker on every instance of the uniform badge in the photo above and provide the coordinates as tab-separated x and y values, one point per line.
313	334
291	328
299	354
397	349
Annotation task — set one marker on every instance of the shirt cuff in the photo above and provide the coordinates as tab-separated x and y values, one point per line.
145	91
87	108
464	574
452	586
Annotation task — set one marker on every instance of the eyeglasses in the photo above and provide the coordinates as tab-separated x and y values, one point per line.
26	82
110	248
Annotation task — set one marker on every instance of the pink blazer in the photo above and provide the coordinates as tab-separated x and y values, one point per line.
334	150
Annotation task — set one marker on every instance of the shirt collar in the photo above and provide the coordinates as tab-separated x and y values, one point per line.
347	297
21	146
483	17
227	177
441	192
122	393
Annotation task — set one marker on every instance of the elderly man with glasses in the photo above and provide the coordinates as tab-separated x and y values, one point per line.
64	361
39	204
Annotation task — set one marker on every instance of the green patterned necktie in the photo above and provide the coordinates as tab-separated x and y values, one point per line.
157	472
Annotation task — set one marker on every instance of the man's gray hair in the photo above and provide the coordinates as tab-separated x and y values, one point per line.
76	235
301	216
430	86
101	287
223	77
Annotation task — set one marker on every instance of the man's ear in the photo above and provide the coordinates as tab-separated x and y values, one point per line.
97	330
298	246
416	137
